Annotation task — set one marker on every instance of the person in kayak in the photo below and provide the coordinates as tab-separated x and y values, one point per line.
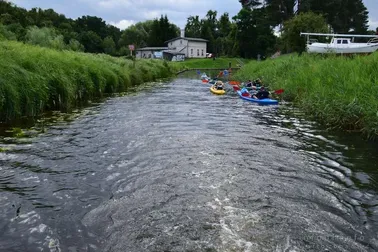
219	85
257	83
261	94
249	83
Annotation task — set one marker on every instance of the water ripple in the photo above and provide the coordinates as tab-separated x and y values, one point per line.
175	168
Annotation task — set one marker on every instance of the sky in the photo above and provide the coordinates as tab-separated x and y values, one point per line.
123	13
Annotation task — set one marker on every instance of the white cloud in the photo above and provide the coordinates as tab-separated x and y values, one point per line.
373	24
177	11
123	24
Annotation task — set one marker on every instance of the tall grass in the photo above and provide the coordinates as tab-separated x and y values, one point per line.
34	79
341	92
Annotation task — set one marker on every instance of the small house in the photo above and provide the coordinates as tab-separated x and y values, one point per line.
190	47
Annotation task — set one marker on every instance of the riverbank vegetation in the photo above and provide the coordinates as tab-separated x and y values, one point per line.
340	92
34	79
218	63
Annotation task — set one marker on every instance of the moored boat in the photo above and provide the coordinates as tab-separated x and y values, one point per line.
342	44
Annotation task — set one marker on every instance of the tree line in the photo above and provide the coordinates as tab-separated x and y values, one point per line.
249	33
88	33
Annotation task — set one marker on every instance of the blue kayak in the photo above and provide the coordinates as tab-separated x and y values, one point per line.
266	101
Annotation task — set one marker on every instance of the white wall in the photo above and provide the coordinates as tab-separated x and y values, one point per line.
178	45
185	46
196	49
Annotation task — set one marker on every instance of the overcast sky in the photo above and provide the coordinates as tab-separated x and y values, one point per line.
123	13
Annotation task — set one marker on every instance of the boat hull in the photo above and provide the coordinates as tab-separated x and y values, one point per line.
266	101
348	49
217	92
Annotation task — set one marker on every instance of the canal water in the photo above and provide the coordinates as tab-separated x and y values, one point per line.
173	167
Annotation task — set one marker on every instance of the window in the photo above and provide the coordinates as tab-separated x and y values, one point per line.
191	51
202	53
338	41
345	41
197	52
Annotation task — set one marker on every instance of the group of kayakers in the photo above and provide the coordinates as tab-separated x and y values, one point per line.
256	89
253	88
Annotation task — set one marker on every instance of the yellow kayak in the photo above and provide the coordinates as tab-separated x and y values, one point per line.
215	91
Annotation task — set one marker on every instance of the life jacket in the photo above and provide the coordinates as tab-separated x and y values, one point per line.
262	94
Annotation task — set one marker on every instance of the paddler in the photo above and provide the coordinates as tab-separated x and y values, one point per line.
219	85
261	94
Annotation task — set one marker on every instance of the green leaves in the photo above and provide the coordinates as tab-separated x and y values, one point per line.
304	22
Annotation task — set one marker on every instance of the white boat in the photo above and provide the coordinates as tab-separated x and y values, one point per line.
342	44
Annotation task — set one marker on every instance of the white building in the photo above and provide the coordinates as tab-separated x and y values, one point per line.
150	52
191	47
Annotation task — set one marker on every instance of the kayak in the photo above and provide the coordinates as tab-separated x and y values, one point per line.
215	91
266	101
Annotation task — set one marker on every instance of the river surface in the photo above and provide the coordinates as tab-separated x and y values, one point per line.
176	168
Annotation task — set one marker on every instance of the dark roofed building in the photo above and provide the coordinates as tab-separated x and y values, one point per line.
173	55
149	52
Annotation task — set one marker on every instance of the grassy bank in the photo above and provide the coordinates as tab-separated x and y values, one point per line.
208	63
35	79
338	91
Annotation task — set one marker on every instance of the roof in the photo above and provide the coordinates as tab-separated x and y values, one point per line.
173	52
151	49
190	39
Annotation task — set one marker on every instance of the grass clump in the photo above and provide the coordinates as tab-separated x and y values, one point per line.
340	92
35	79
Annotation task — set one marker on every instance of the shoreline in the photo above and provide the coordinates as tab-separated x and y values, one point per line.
338	92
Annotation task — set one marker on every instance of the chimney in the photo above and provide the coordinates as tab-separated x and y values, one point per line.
182	35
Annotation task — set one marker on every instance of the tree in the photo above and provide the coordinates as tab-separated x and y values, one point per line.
280	10
109	45
161	31
75	45
91	42
254	33
209	30
224	25
224	40
344	16
309	22
6	34
193	27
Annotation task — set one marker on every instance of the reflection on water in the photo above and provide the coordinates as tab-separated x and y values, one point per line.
175	168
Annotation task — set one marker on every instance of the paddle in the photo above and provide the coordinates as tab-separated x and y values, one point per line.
234	82
236	88
279	91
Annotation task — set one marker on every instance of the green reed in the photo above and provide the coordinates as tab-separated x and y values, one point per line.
340	92
35	79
